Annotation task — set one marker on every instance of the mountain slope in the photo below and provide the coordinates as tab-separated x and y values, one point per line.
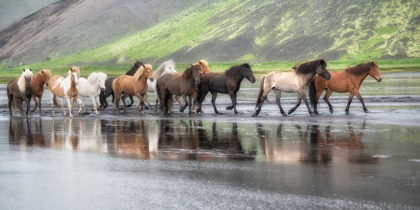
262	31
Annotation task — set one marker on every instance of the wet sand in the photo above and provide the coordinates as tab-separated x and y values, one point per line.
145	160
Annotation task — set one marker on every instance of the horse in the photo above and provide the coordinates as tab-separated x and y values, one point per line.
184	85
227	83
108	87
349	80
38	82
92	87
291	82
65	87
204	69
132	85
19	90
167	67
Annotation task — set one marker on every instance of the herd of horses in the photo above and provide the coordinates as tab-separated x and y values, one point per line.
194	83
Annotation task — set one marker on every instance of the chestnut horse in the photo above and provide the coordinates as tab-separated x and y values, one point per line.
349	80
19	90
132	85
204	69
65	87
110	92
43	77
227	83
184	85
289	82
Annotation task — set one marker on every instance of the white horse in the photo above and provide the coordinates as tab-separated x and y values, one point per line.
167	67
92	87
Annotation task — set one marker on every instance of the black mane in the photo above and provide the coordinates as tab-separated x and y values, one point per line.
188	72
360	69
134	69
235	70
309	67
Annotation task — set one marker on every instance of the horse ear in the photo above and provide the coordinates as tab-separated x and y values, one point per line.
294	67
372	63
23	70
30	69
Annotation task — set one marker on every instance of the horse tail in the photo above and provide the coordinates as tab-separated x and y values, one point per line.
117	91
260	93
158	94
312	92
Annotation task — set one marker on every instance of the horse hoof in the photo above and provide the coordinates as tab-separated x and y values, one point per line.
229	108
331	111
284	115
366	111
181	110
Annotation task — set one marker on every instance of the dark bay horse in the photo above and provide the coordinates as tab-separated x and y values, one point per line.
291	82
349	80
184	85
110	92
19	90
227	83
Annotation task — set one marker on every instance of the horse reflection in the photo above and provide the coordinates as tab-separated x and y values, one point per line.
20	132
130	139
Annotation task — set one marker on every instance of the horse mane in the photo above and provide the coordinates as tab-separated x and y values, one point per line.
141	71
235	70
75	69
202	61
161	69
94	76
360	69
27	73
187	72
134	69
45	71
309	67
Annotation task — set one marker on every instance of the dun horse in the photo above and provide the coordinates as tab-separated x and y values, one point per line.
65	87
108	87
132	85
184	85
19	90
43	77
343	82
227	83
295	81
92	87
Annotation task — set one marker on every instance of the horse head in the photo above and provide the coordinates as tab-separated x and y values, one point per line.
204	67
374	72
74	72
247	72
196	73
170	67
45	75
98	80
146	70
321	69
27	74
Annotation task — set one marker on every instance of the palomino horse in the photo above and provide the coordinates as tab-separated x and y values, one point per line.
108	87
227	83
167	67
92	88
184	85
349	80
65	87
295	81
19	90
38	82
204	69
132	85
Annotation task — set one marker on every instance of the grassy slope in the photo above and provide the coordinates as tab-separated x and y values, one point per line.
365	38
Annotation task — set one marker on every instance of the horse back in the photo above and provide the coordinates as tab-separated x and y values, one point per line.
54	85
12	87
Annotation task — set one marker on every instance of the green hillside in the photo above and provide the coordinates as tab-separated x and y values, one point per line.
269	31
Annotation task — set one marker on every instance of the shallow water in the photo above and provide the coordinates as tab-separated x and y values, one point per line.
360	161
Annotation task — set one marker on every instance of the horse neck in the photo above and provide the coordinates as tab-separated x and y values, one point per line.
37	81
72	84
360	78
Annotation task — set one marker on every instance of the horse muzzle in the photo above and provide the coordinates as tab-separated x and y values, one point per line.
151	79
102	89
379	79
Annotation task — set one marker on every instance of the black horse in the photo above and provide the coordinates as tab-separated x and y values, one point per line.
227	83
108	87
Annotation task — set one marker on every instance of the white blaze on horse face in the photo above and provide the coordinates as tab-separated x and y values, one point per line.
76	79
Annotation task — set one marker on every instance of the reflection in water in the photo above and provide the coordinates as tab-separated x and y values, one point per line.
197	139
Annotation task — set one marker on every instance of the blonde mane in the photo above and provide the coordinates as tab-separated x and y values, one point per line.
75	69
141	70
45	71
21	81
93	77
202	61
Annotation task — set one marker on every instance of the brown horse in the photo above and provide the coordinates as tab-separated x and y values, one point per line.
19	90
65	87
132	85
183	85
204	69
38	82
349	80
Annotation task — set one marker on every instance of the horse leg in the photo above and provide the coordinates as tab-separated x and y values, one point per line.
94	104
52	103
190	99
357	93
36	103
62	106
261	101
326	99
81	104
233	98
194	95
307	103
70	104
186	103
278	95
28	106
99	105
125	105
39	101
10	104
179	101
297	105
132	101
141	101
348	103
213	102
